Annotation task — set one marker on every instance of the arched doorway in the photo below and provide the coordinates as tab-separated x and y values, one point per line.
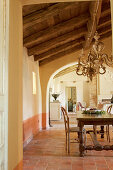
15	72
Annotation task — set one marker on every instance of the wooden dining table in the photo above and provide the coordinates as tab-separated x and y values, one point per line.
93	119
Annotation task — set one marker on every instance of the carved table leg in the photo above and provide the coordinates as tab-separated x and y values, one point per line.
95	129
102	131
81	144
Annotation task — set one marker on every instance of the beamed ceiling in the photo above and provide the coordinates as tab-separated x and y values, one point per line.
54	30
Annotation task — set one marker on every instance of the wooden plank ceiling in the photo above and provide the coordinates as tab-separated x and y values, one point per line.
54	30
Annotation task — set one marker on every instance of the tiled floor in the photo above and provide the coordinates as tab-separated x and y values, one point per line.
47	152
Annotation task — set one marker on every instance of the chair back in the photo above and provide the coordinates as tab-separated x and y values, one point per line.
79	106
66	118
109	109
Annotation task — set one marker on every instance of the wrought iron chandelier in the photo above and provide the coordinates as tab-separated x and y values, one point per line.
96	61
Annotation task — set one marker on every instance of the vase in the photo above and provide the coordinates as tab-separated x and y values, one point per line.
55	95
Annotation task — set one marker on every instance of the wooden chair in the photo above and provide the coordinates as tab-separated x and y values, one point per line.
107	126
69	129
79	106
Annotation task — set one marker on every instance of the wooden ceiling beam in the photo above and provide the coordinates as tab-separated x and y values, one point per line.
104	24
104	20
61	54
104	29
42	15
107	11
105	34
28	9
59	49
95	12
101	31
43	47
44	35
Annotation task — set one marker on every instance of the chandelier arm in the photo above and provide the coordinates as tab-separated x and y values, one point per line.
102	72
79	74
108	60
81	70
83	62
103	69
93	55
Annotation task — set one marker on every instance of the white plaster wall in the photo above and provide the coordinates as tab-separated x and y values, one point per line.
69	92
15	71
82	87
79	89
31	102
59	85
86	93
106	84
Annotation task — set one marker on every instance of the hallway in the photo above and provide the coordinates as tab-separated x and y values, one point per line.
47	152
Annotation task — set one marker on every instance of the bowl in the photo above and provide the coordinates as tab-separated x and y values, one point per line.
55	95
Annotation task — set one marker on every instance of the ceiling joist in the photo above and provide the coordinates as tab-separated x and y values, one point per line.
58	49
53	31
61	54
42	15
104	29
43	47
95	12
104	35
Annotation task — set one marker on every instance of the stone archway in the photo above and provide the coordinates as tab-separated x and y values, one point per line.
46	71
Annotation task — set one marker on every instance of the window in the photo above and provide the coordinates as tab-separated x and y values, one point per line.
34	82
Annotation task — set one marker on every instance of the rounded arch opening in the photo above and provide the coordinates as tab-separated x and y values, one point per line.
48	86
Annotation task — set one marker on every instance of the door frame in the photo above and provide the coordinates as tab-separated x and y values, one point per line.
4	84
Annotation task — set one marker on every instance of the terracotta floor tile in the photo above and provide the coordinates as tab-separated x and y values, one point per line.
102	168
47	152
89	168
52	168
89	163
77	168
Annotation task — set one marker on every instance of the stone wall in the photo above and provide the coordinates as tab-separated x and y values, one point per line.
93	92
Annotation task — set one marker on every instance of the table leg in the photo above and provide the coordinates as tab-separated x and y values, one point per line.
81	144
102	131
95	129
